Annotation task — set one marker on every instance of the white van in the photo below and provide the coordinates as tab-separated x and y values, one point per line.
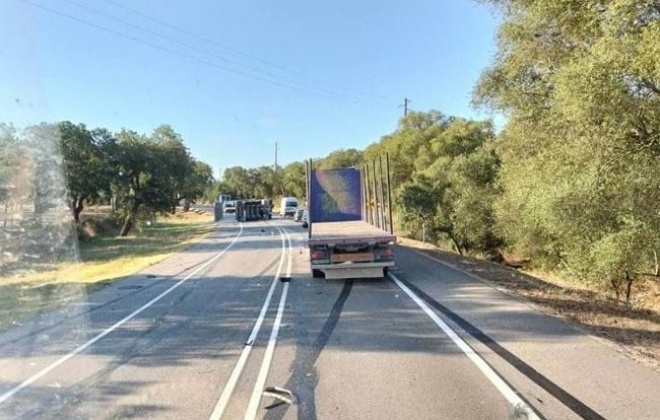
288	206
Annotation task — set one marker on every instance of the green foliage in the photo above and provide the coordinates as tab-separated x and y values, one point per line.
199	181
408	145
450	191
342	158
416	203
293	180
141	175
263	181
10	160
82	160
580	154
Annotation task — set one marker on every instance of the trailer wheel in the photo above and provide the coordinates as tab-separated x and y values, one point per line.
318	274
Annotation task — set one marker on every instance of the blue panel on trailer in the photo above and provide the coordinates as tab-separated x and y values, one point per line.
335	195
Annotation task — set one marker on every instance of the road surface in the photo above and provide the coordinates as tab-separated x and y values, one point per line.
202	334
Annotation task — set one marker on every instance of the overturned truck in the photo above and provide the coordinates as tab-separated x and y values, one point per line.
251	210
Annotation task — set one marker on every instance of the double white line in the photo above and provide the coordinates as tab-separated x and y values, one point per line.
255	399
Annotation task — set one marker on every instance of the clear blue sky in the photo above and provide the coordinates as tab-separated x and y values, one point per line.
337	70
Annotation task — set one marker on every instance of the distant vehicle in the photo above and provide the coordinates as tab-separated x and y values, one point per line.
267	202
298	216
305	218
250	210
230	207
288	206
346	238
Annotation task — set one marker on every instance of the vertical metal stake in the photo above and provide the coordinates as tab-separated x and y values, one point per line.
376	209
389	193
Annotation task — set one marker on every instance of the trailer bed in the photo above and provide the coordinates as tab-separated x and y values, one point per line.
347	232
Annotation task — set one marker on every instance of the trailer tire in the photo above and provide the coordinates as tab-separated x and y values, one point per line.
318	274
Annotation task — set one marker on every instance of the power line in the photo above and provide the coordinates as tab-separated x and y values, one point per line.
189	57
223	46
140	28
205	51
202	38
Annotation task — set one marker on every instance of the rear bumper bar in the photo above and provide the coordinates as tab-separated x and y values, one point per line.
352	271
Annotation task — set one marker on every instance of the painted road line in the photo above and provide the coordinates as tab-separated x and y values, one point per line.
221	405
516	403
7	395
255	399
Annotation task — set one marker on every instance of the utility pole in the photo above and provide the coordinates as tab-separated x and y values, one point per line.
406	101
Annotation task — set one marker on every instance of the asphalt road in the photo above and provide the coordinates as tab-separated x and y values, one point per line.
202	334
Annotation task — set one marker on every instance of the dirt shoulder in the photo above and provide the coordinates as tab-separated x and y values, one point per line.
633	331
101	259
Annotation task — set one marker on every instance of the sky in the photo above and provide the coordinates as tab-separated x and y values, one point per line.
234	77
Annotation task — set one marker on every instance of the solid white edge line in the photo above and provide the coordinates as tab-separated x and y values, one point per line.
7	395
228	390
257	391
493	377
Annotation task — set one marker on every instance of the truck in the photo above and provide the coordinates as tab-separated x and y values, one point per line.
250	210
288	206
350	231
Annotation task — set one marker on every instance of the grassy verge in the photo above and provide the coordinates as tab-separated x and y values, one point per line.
635	328
102	259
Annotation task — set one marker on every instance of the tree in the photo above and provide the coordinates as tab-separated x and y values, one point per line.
198	181
10	159
414	132
48	189
293	180
342	158
580	153
237	181
143	181
452	186
174	156
415	202
82	164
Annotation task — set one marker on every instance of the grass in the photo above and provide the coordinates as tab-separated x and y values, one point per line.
103	259
635	328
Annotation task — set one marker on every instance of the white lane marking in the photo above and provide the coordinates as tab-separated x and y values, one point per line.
221	405
257	391
7	395
514	400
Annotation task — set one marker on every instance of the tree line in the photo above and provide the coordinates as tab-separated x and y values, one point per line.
268	181
139	174
572	182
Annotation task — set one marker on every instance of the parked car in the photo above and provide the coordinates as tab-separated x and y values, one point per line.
305	219
230	207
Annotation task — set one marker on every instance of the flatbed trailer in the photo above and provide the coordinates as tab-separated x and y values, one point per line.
350	234
347	232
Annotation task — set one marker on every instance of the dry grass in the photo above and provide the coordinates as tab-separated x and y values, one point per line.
635	328
103	258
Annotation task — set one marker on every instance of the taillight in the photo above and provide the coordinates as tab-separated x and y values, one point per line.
319	255
385	254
